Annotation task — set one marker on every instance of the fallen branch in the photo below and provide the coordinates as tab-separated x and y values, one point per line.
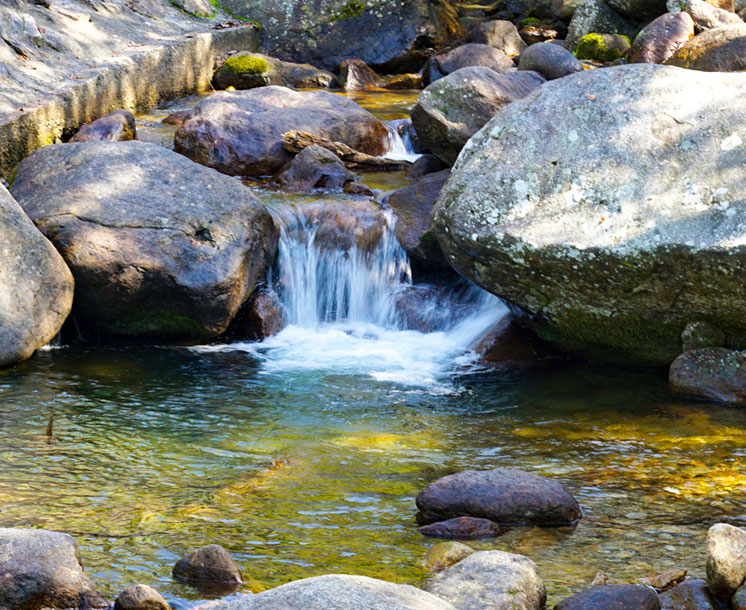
296	141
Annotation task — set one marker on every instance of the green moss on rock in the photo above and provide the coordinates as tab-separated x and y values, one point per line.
246	64
595	47
353	8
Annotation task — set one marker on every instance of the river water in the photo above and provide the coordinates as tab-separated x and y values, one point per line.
303	454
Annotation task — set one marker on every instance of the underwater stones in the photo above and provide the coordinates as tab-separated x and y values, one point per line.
241	133
250	70
596	16
689	595
726	559
465	528
454	108
507	497
590	229
445	554
209	567
710	373
340	591
661	38
36	287
42	569
468	55
549	60
117	126
356	75
721	49
315	168
502	35
612	597
140	597
159	246
491	580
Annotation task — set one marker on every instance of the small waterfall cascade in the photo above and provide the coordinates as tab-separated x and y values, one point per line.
399	142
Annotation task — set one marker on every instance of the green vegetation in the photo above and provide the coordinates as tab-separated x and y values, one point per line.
529	21
246	64
353	8
595	46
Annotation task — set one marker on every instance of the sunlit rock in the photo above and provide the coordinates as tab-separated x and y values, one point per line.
689	595
210	568
726	559
445	554
622	597
117	126
140	597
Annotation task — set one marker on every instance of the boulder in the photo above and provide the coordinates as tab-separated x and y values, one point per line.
356	75
445	554
738	600
639	10
117	126
249	70
612	597
159	246
465	528
501	35
549	60
602	47
140	597
468	55
241	133
708	17
263	316
508	346
507	497
610	243
726	559
665	580
661	38
722	49
595	16
340	591
710	373
211	565
697	335
491	580
413	206
315	168
426	164
689	595
177	118
198	8
454	108
42	569
36	287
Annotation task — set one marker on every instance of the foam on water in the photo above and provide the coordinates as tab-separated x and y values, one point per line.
399	145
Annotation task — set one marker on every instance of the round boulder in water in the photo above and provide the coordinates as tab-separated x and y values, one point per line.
140	597
209	567
609	207
507	497
315	168
465	528
613	597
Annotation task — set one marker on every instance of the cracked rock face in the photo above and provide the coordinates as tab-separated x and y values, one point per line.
158	245
609	206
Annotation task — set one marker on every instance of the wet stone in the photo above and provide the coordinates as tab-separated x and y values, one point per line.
445	554
612	597
689	595
209	568
466	528
140	597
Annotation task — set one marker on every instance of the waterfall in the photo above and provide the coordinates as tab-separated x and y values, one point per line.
399	145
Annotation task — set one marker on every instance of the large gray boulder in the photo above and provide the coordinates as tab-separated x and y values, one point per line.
710	373
159	246
609	206
454	108
502	35
241	133
36	287
726	559
340	591
595	16
491	580
42	569
466	56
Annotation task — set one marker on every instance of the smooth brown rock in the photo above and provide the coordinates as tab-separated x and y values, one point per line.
550	60
661	38
533	34
710	373
117	126
508	346
356	75
665	580
726	559
445	554
177	118
719	50
140	597
501	35
612	597
468	55
266	316
507	497
689	595
208	564
466	528
315	168
426	164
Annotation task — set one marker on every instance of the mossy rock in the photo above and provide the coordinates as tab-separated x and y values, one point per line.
353	8
244	71
246	64
602	47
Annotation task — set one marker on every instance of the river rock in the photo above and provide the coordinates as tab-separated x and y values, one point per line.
241	133
697	335
140	597
315	167
726	559
426	308
689	595
413	206
661	38
343	225
117	126
465	528
501	35
665	580
602	47
738	600
719	50
508	346
639	10
708	17
445	554
208	564
401	81
468	55
507	497
612	597
265	316
249	70
595	16
159	246
454	108
426	164
491	580
35	284
42	569
549	60
592	234
711	373
340	591
356	75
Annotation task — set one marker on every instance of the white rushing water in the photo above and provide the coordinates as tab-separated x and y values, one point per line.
399	145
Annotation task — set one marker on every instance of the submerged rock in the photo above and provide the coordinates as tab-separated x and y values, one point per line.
710	373
549	60
208	566
453	109
689	595
661	38
501	35
249	70
340	591
466	528
611	243
721	49
315	168
726	559
445	554
507	497
491	580
140	597
117	126
159	246
612	597
468	55
241	133
35	284
41	569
